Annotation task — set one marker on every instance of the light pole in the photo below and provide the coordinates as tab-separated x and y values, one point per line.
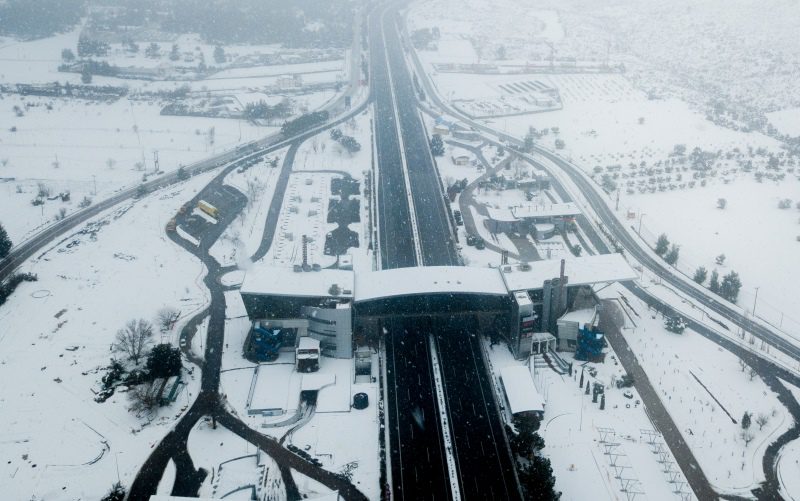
640	223
755	301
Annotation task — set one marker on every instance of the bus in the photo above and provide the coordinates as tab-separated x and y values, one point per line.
208	208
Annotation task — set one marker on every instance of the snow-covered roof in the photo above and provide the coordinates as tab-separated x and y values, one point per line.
520	391
428	280
503	215
546	210
274	281
583	317
370	285
308	343
580	271
538	337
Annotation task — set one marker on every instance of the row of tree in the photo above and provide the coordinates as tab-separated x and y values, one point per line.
533	468
304	123
728	287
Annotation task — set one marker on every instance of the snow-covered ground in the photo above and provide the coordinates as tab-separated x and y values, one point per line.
93	148
242	237
573	428
679	365
57	332
757	238
336	434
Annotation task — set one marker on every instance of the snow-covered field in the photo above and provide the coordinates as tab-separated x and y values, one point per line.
57	332
93	148
573	427
759	240
674	363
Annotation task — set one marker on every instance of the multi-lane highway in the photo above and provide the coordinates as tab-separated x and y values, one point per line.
411	206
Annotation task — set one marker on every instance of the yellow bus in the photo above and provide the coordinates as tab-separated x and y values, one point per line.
208	208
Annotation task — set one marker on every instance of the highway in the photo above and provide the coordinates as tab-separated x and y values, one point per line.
405	166
633	247
418	463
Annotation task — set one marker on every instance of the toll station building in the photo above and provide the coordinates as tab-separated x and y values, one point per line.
341	308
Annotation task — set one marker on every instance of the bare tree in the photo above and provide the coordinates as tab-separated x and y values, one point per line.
762	420
167	316
134	339
742	365
752	373
144	397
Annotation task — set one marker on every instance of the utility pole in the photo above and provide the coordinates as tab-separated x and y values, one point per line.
617	207
755	301
640	223
155	162
94	178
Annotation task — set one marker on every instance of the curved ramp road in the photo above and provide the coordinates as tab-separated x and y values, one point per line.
633	246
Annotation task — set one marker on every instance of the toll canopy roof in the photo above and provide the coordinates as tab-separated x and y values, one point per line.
520	391
428	280
371	285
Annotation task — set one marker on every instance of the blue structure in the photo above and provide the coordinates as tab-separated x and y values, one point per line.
590	344
265	343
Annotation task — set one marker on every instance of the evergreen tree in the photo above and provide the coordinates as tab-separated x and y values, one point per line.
67	55
730	286
164	361
219	54
529	141
538	481
86	76
700	275
672	256
662	244
746	420
713	283
5	243
437	146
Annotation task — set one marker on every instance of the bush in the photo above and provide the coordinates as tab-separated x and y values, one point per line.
11	284
785	204
675	324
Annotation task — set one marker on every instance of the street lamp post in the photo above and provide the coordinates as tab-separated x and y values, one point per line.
755	301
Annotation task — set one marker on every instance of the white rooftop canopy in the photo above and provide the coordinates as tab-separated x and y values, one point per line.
371	285
428	280
521	393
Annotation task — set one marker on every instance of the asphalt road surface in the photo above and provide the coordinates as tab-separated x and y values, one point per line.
485	466
419	470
